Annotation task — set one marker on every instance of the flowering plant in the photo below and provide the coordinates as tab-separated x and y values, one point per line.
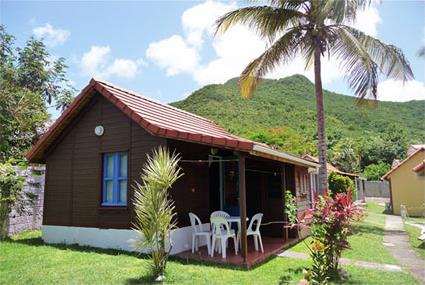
331	220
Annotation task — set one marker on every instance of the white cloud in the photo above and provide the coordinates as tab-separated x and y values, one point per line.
199	20
233	50
367	20
174	55
392	90
98	62
52	37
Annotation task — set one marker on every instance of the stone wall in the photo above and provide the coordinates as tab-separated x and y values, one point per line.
31	218
377	189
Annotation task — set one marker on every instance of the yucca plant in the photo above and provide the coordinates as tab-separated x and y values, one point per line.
154	209
315	29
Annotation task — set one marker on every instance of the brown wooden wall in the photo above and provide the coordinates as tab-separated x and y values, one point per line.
74	167
191	192
303	187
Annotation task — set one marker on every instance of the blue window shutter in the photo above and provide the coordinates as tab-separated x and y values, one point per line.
115	179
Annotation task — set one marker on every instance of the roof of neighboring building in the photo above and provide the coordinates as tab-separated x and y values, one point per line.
413	148
420	149
329	166
160	120
420	167
395	163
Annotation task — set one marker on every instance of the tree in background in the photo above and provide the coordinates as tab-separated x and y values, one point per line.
375	171
344	156
315	28
30	81
154	209
11	195
285	139
392	144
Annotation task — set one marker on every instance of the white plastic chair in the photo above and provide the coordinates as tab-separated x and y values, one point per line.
221	231
403	211
198	232
255	232
220	214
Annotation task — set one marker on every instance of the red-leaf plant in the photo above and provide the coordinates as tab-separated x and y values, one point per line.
330	221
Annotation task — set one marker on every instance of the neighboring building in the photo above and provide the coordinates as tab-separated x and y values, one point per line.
358	181
413	148
96	149
406	184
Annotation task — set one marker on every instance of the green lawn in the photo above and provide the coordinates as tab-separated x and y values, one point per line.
414	233
27	260
367	239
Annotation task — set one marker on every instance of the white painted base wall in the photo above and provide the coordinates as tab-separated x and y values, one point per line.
112	238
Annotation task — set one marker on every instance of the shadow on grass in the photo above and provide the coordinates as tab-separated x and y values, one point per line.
421	245
369	229
288	278
188	261
37	241
142	280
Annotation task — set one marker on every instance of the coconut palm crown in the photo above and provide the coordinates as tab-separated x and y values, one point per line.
314	29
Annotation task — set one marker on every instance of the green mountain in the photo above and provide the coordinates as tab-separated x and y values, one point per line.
288	105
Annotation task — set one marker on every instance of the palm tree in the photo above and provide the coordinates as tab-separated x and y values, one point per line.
314	28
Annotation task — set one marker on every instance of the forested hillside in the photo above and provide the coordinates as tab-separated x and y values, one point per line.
283	113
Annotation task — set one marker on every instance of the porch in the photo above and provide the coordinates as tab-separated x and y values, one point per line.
242	185
272	246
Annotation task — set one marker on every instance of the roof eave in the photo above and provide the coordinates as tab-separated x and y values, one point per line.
259	150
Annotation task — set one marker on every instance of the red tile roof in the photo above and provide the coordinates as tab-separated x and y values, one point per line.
420	167
157	118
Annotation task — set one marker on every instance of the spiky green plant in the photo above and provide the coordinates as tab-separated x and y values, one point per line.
314	29
154	209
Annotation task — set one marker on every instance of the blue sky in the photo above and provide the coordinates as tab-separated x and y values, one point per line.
166	50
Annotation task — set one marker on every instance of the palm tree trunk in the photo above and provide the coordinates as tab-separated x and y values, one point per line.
323	177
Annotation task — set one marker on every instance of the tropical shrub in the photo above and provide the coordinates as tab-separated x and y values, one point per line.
330	221
291	209
375	171
11	195
318	274
339	184
154	209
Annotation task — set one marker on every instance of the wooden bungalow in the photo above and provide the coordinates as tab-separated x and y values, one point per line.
96	149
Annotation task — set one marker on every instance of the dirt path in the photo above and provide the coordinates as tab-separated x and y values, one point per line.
397	242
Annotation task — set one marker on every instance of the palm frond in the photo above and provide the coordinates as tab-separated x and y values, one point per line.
267	21
421	52
361	71
390	59
340	11
282	51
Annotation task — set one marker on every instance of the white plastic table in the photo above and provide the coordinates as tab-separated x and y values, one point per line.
236	219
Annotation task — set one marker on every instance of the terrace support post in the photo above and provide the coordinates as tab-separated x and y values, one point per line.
242	205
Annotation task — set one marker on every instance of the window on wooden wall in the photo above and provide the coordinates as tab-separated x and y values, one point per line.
114	186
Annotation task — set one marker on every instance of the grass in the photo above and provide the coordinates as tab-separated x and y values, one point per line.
367	239
25	259
414	233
